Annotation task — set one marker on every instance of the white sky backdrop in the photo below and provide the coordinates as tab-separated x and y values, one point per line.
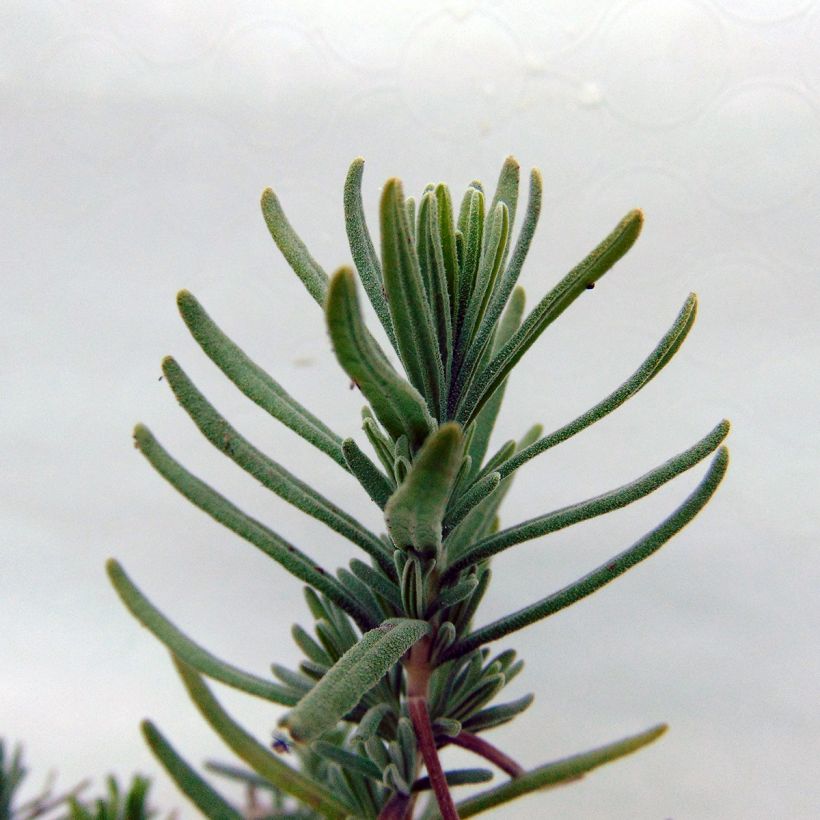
136	138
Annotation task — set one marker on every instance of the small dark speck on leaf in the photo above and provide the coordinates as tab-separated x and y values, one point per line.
590	285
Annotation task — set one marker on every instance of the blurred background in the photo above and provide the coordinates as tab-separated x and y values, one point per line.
136	139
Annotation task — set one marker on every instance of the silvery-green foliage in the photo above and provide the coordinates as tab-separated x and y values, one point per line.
394	670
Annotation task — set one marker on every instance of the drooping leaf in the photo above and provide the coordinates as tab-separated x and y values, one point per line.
375	482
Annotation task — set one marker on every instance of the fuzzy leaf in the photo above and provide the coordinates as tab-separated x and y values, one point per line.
592	507
374	481
264	469
203	796
593	581
356	763
397	404
361	247
650	367
415	512
456	777
497	715
554	774
413	322
183	647
508	280
506	191
230	516
593	267
253	381
356	672
293	248
254	754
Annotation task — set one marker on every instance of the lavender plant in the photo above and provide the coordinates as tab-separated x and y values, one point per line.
395	670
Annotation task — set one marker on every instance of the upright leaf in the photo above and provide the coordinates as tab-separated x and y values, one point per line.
415	512
397	404
413	321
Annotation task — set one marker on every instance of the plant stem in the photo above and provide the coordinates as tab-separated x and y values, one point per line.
486	750
417	707
395	808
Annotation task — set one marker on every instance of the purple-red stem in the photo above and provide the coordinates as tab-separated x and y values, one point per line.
417	707
486	750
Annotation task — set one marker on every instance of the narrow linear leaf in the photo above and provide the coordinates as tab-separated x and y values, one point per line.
474	496
194	787
592	507
415	512
554	774
355	673
650	367
246	776
186	649
413	321
228	514
312	650
378	583
497	715
253	381
508	280
373	480
268	472
371	722
356	763
592	268
362	249
293	248
396	403
254	754
471	224
485	421
449	246
506	190
593	581
456	777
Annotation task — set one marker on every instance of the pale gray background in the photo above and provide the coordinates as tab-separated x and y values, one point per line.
136	138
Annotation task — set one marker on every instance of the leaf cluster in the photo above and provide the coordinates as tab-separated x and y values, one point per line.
394	669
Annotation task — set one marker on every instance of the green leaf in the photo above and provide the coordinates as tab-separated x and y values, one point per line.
456	777
254	754
254	382
474	496
592	507
372	479
593	581
471	225
485	421
508	281
356	672
186	649
554	774
506	191
415	512
449	246
356	763
293	248
593	267
361	247
650	367
230	516
433	266
497	715
208	801
397	404
268	472
413	322
377	582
